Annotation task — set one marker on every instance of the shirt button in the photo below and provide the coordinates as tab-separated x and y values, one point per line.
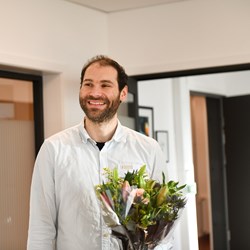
105	235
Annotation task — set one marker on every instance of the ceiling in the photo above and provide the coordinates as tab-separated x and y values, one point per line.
109	6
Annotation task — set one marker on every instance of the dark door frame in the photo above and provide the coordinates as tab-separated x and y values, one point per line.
192	72
37	102
133	107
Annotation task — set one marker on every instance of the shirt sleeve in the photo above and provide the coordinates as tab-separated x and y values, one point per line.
42	221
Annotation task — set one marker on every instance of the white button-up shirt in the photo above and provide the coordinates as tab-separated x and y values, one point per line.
65	213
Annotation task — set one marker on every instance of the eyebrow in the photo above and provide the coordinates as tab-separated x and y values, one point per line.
102	81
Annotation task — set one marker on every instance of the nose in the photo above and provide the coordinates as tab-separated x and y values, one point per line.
96	91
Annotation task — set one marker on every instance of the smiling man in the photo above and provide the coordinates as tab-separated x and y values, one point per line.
64	211
100	97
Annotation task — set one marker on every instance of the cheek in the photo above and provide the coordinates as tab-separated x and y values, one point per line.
111	96
82	94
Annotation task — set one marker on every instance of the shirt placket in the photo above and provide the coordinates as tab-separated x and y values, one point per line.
103	160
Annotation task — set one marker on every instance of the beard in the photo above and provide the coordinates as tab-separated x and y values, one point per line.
95	114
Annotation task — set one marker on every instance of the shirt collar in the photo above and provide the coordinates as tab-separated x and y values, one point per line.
119	135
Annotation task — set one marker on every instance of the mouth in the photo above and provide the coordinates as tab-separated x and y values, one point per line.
96	103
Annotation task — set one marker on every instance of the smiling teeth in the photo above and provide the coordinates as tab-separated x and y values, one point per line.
96	103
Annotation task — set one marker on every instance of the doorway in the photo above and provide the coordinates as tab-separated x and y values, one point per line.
199	126
210	171
21	135
223	211
17	153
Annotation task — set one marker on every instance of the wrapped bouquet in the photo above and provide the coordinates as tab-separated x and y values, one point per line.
140	211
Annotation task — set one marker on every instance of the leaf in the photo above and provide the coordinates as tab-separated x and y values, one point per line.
142	170
142	183
161	197
150	184
115	175
163	178
160	202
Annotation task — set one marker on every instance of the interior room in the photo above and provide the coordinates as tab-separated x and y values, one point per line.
189	51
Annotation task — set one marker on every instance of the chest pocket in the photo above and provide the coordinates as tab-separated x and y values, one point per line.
125	167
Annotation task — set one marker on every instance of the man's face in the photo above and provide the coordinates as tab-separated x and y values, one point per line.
99	94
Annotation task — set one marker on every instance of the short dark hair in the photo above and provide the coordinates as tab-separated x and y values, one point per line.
122	77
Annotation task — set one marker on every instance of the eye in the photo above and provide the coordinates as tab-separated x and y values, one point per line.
105	85
87	84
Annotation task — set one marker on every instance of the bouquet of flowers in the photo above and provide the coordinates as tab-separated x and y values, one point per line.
140	211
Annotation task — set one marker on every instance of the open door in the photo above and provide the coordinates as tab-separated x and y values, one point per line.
230	170
237	133
209	165
217	173
228	122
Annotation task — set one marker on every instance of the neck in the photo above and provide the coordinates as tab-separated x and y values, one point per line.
101	132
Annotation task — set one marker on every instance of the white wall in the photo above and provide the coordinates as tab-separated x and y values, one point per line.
162	102
58	36
226	84
183	35
55	38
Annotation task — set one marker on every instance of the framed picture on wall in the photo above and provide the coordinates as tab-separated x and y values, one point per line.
162	137
146	120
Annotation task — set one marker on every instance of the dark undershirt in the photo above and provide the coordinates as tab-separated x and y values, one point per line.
100	145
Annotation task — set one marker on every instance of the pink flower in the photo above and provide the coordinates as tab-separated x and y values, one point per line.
145	200
139	196
105	199
140	192
126	189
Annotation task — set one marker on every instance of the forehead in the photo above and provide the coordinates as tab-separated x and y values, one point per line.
98	71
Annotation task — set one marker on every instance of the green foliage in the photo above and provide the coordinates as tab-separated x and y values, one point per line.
152	201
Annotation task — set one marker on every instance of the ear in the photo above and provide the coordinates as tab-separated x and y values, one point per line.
124	93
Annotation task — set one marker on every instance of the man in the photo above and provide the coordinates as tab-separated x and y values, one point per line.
64	210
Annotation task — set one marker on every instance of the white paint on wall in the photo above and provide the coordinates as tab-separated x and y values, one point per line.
55	38
225	84
184	35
